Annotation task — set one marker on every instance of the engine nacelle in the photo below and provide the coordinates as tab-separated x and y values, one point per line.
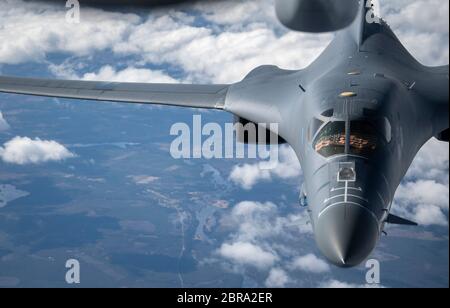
317	16
248	132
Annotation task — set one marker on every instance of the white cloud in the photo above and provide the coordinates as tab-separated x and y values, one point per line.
32	30
3	124
130	74
431	163
247	254
425	202
109	73
237	37
258	234
425	214
255	221
424	194
310	263
201	52
421	23
289	166
278	278
247	208
248	175
23	150
204	53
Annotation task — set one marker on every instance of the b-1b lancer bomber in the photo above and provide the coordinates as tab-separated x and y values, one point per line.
356	117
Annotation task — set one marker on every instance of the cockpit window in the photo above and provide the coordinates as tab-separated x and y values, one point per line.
364	139
331	139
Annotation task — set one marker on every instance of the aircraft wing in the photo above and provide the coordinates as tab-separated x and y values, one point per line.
183	95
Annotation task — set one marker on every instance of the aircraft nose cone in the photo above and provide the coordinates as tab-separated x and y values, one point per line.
347	234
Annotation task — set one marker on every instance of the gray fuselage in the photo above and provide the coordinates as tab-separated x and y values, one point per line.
356	119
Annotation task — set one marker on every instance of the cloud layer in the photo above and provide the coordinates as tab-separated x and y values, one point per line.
278	278
424	194
202	42
247	254
249	175
258	237
32	30
423	26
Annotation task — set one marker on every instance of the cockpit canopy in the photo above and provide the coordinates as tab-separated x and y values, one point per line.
331	139
363	138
